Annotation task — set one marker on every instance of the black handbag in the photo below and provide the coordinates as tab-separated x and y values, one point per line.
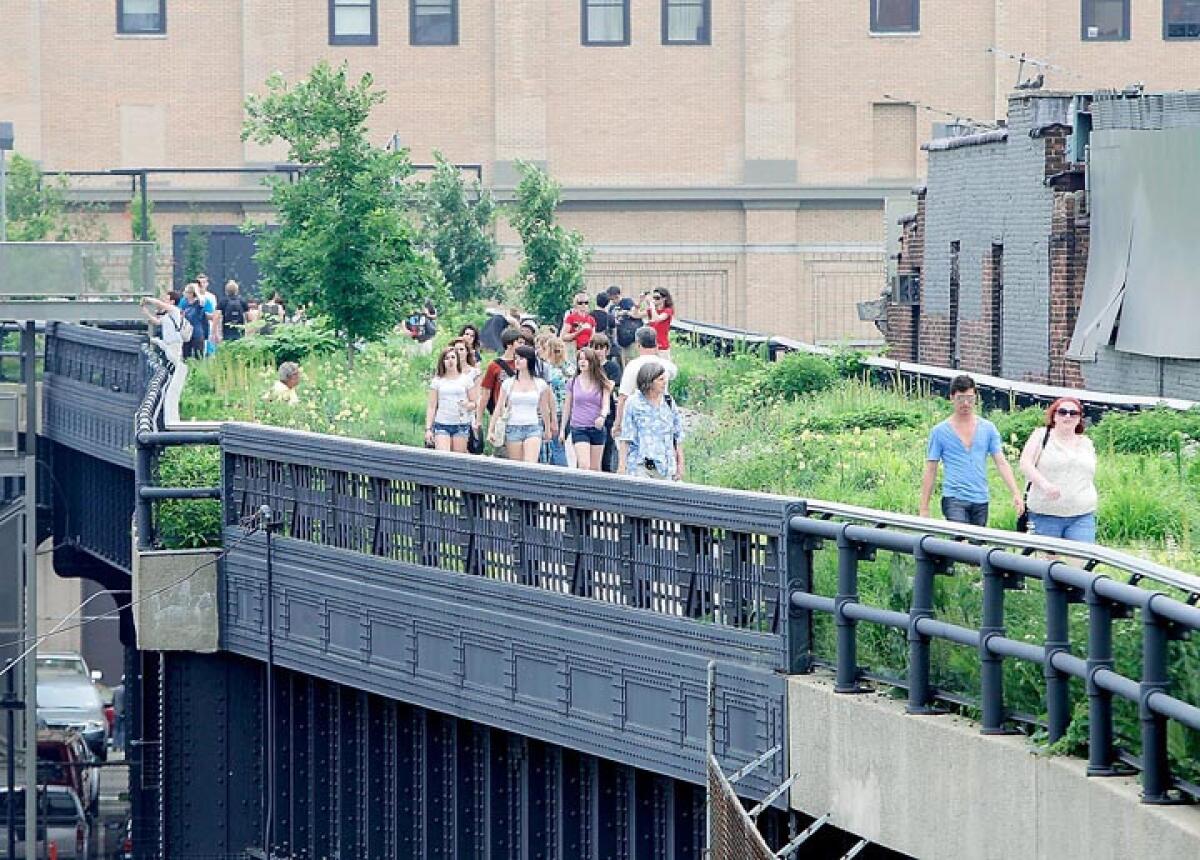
475	441
1023	519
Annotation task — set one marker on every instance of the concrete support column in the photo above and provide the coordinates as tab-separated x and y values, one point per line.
769	51
520	88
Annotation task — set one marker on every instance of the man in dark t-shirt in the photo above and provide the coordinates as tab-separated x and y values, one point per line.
233	312
600	314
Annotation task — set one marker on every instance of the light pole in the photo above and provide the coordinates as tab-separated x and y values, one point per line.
6	143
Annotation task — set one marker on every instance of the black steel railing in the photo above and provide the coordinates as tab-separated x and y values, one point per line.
1106	599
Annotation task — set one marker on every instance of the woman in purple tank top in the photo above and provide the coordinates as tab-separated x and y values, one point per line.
586	410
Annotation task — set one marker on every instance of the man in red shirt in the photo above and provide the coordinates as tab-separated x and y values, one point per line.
578	325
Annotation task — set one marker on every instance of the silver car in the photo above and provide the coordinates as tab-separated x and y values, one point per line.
66	700
61	822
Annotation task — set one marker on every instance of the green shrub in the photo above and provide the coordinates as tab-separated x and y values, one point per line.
1147	432
847	363
189	524
874	416
287	342
796	375
1142	502
1016	427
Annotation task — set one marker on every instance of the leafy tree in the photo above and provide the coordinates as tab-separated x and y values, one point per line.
344	245
457	221
554	258
36	208
195	253
138	216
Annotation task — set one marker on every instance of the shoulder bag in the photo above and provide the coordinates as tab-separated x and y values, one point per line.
499	424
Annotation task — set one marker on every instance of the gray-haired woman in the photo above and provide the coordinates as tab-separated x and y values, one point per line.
651	440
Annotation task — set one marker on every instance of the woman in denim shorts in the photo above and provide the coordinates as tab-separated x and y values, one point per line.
1060	463
586	410
530	407
450	411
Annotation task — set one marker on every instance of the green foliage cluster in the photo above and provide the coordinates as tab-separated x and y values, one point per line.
37	211
188	524
195	252
457	223
1147	432
284	342
554	258
345	246
795	375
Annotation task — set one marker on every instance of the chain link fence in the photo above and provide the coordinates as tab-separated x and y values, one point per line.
734	834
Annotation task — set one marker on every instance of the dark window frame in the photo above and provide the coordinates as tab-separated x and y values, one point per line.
1083	23
162	21
371	39
412	27
605	43
916	19
705	38
1167	37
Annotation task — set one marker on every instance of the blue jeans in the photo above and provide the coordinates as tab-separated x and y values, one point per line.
959	511
515	433
451	430
1081	528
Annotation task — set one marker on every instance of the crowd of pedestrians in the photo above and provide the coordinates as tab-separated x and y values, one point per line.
593	393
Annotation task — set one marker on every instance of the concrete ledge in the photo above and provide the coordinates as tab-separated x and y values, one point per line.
177	603
933	787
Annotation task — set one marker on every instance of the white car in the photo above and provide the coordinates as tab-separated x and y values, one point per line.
61	822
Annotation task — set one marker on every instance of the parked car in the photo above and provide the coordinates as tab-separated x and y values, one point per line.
64	759
125	849
66	700
68	662
61	823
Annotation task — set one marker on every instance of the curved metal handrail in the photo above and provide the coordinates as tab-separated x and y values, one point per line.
1090	554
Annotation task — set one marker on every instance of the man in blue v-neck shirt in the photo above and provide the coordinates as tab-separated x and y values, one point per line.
965	482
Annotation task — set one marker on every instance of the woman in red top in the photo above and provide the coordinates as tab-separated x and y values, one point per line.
658	314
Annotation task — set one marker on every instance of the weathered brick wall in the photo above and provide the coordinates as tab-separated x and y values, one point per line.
980	195
1068	269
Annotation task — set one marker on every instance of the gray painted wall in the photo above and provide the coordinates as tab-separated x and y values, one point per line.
986	193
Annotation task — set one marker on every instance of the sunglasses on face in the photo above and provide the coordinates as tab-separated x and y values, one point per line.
1067	413
964	398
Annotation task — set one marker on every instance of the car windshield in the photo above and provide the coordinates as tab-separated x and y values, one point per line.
72	665
82	697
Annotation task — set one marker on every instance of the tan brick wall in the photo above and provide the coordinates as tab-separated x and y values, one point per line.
783	82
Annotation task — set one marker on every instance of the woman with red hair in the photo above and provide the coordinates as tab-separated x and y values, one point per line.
1060	463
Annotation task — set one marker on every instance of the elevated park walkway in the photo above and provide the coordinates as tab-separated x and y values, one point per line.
405	653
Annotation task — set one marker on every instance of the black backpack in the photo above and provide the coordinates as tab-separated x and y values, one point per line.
235	311
627	328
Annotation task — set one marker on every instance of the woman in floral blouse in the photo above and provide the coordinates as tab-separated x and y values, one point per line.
652	432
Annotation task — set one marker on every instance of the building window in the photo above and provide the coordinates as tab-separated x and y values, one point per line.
1181	19
895	16
1105	20
141	16
686	22
353	22
605	22
433	22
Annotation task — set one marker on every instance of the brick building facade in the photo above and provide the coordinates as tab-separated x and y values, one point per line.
992	266
757	171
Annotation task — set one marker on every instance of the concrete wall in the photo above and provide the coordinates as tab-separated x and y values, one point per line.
934	787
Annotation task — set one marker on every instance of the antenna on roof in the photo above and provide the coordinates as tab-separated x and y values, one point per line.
1043	66
958	118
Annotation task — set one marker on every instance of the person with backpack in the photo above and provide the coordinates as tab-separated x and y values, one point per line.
625	324
600	315
175	330
234	311
501	368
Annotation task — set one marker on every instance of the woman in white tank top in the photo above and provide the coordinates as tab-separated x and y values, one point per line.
1060	463
530	406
